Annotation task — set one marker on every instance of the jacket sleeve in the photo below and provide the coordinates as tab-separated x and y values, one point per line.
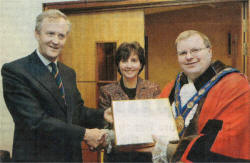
157	91
166	90
87	117
104	99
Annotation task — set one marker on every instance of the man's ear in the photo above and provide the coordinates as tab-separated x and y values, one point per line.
210	53
36	33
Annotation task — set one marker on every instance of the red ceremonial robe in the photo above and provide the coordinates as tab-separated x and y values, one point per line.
227	101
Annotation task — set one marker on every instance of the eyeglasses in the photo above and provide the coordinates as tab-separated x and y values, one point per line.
193	51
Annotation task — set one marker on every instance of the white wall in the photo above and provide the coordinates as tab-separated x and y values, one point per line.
17	40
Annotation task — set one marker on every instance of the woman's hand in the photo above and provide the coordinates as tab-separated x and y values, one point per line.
159	150
151	148
109	140
108	115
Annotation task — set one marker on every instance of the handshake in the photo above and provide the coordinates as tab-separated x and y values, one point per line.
98	138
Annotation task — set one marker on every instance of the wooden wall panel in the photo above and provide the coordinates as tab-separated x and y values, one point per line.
80	50
248	41
87	29
88	92
248	68
216	21
89	156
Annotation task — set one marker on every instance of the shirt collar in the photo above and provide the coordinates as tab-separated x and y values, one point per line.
201	80
204	78
45	61
212	70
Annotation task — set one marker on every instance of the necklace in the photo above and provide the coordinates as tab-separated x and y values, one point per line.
182	112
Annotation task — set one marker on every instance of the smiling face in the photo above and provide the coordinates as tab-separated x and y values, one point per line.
193	56
52	37
130	68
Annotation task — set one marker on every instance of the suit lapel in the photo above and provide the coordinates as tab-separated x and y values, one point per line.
42	74
140	88
120	92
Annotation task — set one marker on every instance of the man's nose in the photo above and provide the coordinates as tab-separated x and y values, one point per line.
189	55
55	40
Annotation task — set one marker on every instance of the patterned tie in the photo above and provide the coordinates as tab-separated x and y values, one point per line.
57	76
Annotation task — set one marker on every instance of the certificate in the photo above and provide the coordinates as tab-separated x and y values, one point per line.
135	121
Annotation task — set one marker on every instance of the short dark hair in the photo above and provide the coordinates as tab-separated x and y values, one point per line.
125	50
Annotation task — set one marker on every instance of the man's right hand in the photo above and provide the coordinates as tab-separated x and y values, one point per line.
94	137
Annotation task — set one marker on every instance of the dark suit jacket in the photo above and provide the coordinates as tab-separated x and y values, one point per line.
46	129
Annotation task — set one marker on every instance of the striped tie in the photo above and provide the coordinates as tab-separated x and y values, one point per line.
57	76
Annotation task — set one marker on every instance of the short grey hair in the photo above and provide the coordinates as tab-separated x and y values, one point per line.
189	33
51	14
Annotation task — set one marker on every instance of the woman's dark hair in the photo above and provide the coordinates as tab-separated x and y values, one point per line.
126	49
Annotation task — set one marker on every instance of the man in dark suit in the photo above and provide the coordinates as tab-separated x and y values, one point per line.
41	94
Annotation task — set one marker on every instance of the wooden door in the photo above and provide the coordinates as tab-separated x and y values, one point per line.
80	51
221	22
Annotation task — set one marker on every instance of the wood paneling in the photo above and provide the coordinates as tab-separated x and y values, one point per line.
80	50
248	42
89	156
88	92
216	21
88	29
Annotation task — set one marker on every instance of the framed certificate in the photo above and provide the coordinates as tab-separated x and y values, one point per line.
135	121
